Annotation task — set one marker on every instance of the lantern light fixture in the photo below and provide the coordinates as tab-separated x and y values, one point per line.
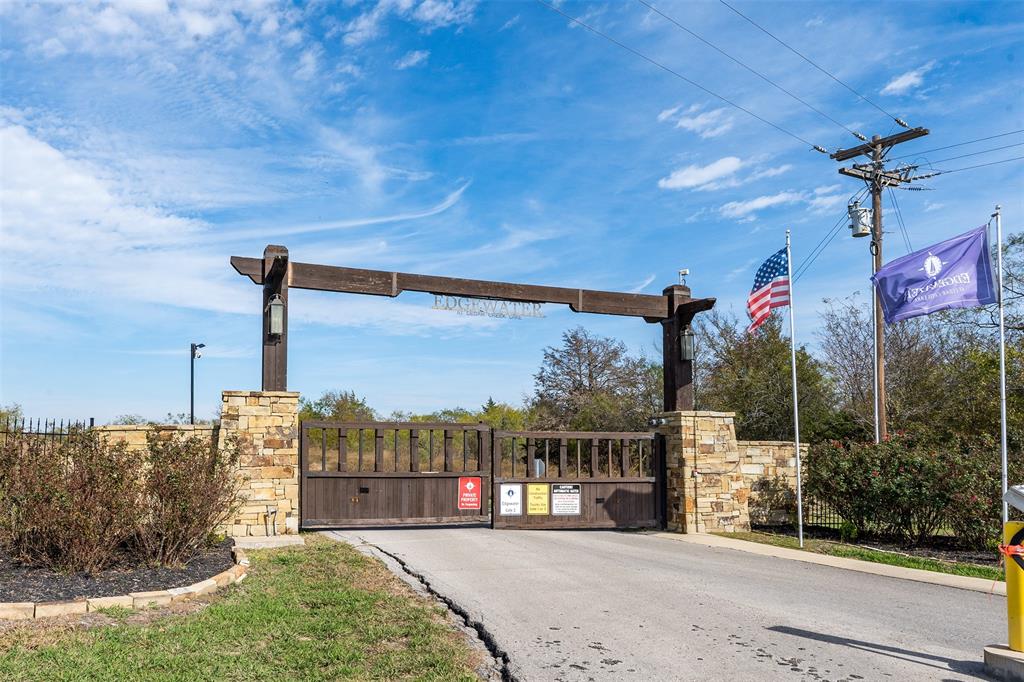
276	309
686	346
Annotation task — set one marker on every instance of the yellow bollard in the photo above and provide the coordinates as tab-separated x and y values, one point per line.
1013	534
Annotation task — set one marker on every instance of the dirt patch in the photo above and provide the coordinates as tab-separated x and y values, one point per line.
19	583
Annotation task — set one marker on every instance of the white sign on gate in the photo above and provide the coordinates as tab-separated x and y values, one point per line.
565	499
511	499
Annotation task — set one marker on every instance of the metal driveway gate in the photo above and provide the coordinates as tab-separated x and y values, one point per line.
393	473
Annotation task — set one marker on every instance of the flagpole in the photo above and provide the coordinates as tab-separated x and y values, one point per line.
796	406
1002	359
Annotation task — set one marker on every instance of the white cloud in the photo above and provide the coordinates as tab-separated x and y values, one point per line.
907	81
707	124
930	206
668	113
743	209
307	64
70	233
412	58
702	177
429	14
643	285
509	24
770	172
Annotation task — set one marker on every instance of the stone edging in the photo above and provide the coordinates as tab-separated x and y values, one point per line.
133	600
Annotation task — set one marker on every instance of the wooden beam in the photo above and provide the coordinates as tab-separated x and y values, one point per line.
889	179
383	283
273	275
869	147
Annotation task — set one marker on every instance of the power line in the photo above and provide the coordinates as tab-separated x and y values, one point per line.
957	170
752	70
899	220
815	65
675	73
984	151
958	144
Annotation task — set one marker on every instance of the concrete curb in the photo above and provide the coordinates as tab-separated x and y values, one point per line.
944	579
133	600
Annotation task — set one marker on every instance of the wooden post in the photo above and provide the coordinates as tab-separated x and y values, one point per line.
678	373
275	347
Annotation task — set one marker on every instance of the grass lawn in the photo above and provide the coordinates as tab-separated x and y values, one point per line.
319	612
877	556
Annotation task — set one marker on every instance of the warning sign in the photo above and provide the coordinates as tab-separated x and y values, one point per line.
537	498
511	499
469	492
565	499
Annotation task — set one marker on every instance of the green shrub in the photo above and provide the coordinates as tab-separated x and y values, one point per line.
909	490
189	488
69	505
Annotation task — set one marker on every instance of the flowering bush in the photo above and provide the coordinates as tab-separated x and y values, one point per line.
909	490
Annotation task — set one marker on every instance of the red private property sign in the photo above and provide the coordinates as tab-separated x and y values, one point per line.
469	492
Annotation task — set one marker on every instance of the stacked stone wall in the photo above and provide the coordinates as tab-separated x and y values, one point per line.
265	426
135	435
711	475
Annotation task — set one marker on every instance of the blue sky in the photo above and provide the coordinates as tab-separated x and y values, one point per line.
143	144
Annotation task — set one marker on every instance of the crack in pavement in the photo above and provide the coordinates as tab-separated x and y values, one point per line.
482	633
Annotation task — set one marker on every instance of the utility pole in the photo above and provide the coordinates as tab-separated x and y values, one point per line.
877	178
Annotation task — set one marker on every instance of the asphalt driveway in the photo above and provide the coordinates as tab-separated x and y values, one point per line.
595	605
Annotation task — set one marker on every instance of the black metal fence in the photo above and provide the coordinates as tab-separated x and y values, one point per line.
42	428
818	513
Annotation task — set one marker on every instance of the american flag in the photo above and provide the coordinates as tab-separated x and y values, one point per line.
771	289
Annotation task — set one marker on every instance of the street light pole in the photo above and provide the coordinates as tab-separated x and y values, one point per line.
195	353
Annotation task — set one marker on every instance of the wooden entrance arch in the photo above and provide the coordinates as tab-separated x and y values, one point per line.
674	309
373	474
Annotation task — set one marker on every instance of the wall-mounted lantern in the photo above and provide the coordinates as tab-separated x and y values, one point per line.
686	344
276	308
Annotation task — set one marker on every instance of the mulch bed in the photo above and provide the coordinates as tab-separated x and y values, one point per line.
19	583
943	548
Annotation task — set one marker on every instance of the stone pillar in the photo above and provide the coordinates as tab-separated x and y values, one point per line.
706	491
266	426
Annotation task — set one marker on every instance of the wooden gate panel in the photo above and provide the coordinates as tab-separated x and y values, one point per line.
381	473
617	474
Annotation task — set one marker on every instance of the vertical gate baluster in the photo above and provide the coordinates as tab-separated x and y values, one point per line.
414	450
547	452
515	456
323	449
624	451
448	466
611	467
378	450
430	454
359	432
595	445
343	449
579	470
530	452
563	446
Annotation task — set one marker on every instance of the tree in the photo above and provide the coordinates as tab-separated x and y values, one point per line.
343	406
750	374
591	383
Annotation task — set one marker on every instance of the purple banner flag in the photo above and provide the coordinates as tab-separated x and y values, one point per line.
956	273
